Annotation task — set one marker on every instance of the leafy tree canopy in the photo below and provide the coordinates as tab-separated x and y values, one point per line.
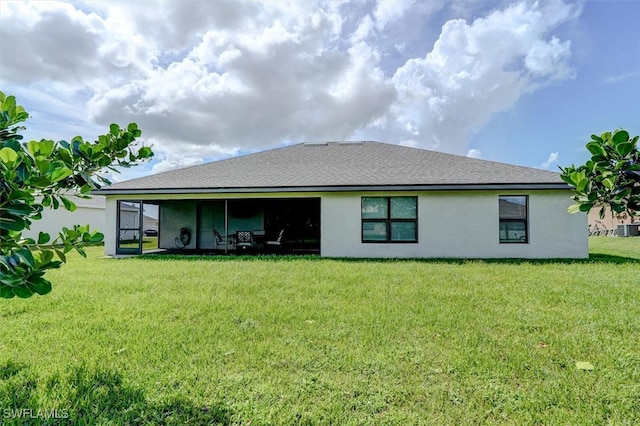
41	174
610	178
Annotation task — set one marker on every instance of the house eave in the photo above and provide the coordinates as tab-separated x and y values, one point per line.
340	188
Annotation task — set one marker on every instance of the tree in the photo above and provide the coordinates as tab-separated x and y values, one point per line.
610	178
41	174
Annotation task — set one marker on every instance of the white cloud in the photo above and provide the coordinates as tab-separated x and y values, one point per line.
173	163
386	11
474	153
553	159
476	70
614	79
208	79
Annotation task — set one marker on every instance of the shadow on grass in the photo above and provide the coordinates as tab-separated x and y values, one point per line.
85	397
187	257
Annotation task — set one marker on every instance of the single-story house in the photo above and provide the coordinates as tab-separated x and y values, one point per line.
89	211
356	199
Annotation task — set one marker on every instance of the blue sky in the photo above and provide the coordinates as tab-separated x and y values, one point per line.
604	94
521	82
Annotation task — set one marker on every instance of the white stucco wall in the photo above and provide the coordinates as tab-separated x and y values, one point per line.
173	217
461	224
88	211
458	224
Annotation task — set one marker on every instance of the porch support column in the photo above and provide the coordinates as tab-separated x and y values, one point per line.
226	225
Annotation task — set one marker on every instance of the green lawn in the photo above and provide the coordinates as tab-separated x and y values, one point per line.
271	340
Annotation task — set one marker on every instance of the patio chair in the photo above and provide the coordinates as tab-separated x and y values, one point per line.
275	244
244	241
220	242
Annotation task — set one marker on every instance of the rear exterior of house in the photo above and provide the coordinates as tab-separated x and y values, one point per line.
364	199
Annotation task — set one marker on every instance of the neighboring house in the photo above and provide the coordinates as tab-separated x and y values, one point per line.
612	224
150	223
129	222
89	211
359	199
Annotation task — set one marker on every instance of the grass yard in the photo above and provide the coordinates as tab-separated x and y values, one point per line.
271	340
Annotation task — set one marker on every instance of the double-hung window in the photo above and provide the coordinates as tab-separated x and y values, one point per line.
389	219
513	219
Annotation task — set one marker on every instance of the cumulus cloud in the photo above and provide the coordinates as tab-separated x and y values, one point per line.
476	70
210	79
386	11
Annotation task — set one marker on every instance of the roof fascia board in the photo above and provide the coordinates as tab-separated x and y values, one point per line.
346	188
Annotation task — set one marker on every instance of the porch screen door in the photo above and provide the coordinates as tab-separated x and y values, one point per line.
130	214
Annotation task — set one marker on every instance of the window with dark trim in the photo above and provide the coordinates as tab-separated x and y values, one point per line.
513	212
389	219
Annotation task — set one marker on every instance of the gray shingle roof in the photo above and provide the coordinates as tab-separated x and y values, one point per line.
333	165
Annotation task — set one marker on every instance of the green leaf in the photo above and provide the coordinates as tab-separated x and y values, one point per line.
60	173
43	238
43	148
25	256
585	207
22	292
577	176
40	285
97	237
584	365
43	256
23	172
145	152
68	204
602	212
52	265
620	136
61	255
12	280
40	181
21	194
624	148
609	183
595	148
5	292
18	209
114	129
65	156
617	207
43	165
12	223
567	178
9	157
574	208
582	184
